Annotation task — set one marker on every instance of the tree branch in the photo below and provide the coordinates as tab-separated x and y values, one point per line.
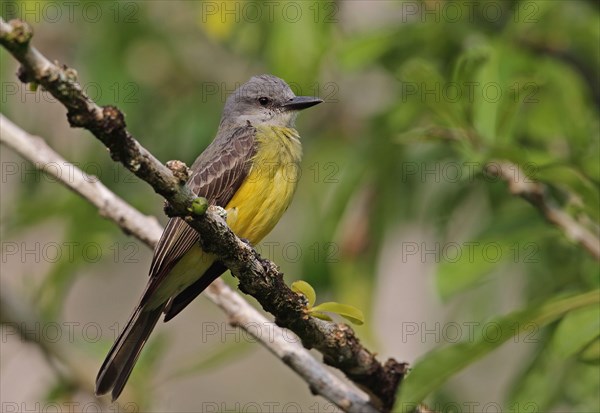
110	206
147	230
536	194
257	277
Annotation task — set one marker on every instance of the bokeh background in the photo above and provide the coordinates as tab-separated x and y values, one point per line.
393	213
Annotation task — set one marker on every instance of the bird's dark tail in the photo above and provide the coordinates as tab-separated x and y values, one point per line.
124	353
181	300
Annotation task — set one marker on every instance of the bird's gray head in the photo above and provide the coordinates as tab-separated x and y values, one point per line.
264	99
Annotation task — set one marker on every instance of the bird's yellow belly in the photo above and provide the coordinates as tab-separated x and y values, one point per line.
267	192
255	208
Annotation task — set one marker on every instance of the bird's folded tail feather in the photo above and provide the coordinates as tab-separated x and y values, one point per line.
125	351
181	300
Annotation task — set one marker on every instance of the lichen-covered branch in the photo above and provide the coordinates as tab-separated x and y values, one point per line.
147	230
257	277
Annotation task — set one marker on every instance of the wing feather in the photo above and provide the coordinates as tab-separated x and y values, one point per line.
216	175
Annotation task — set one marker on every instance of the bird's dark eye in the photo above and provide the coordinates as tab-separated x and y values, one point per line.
264	101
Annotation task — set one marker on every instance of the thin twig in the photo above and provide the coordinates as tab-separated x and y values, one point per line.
108	204
258	277
536	194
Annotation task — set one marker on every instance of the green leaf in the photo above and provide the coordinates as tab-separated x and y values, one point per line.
576	331
350	313
439	365
304	288
487	99
470	62
467	265
592	352
321	316
539	383
419	76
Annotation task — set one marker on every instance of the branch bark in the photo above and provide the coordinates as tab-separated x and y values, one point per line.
258	277
536	194
35	149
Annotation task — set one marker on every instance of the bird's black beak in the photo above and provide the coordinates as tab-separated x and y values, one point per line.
301	102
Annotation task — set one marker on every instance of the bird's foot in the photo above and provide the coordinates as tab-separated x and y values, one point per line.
220	211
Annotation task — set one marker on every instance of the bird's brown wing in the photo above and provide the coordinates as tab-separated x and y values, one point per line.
216	175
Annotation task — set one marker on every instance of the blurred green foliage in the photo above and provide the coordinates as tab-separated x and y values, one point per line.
423	86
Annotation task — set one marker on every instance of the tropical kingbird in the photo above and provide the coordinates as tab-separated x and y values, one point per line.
250	169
